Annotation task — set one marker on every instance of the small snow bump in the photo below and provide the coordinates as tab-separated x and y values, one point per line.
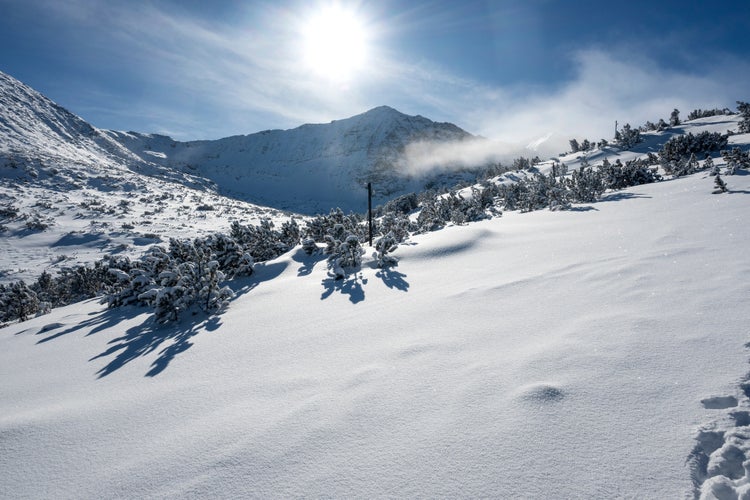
542	393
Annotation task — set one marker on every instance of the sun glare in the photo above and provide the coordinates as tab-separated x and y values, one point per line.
334	43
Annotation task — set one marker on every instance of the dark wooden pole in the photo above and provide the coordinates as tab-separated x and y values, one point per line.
369	209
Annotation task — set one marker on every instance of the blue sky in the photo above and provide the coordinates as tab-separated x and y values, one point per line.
510	70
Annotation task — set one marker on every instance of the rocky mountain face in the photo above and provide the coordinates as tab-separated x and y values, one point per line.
308	169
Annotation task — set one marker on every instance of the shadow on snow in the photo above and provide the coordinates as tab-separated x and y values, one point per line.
168	339
308	261
351	286
393	279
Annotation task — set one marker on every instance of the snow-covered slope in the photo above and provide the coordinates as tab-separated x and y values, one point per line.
43	142
69	193
311	168
567	354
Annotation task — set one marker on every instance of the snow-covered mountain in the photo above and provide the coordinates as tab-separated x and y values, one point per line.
69	193
43	142
309	169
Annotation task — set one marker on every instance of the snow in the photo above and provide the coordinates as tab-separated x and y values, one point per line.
545	354
598	352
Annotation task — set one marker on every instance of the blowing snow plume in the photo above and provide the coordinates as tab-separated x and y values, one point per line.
425	157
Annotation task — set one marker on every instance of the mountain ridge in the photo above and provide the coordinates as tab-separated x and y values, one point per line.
310	168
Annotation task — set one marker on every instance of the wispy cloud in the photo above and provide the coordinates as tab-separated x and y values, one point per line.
608	86
212	79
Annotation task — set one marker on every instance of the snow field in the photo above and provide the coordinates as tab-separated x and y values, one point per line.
559	354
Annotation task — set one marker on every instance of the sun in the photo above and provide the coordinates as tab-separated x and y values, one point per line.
334	43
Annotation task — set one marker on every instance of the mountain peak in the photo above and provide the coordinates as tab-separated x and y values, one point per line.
383	109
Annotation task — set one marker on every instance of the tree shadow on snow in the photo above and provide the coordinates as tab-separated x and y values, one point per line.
393	279
99	321
583	208
149	337
308	261
621	195
351	286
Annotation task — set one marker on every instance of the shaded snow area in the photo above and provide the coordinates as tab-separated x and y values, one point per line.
591	353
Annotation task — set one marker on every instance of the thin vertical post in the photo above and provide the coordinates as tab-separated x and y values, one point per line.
369	209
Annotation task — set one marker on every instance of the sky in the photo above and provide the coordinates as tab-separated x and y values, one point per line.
508	70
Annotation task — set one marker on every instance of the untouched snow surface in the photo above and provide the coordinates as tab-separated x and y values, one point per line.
548	355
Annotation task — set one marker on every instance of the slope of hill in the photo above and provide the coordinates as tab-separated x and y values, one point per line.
69	193
589	353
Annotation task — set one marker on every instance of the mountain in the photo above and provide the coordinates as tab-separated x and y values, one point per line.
69	193
309	169
44	142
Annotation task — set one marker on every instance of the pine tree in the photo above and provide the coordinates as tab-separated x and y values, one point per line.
19	302
628	136
384	246
719	185
348	255
674	118
744	109
709	164
309	246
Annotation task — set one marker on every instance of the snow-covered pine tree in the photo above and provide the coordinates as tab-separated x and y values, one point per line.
686	166
19	302
174	295
585	185
309	246
333	239
709	164
396	224
719	185
44	287
290	233
227	252
384	247
674	118
557	194
348	255
744	110
210	296
628	136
